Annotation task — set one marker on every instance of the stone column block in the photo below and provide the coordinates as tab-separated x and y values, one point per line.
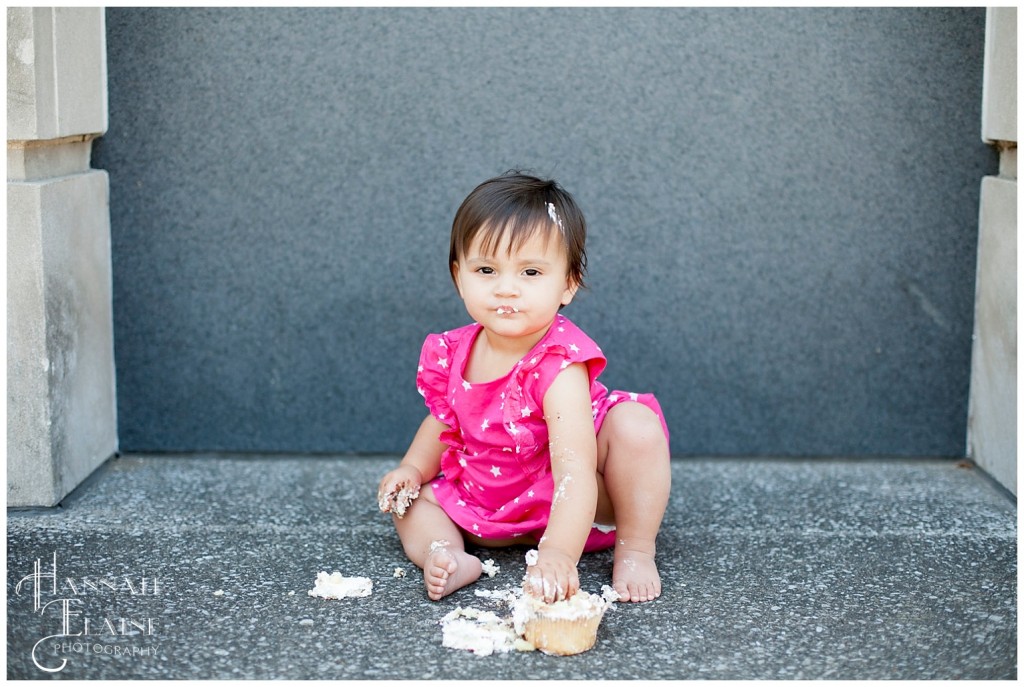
999	89
61	406
56	72
992	426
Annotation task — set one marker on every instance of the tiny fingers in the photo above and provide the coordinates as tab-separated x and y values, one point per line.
574	585
385	498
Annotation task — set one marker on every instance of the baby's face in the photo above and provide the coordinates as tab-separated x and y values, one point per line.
515	294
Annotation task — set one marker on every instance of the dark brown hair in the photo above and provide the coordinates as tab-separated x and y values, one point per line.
513	207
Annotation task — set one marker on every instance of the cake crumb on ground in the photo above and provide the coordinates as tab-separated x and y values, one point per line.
337	586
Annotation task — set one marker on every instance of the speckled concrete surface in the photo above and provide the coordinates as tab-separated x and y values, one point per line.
772	569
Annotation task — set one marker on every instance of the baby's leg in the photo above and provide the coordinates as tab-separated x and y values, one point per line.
633	462
433	542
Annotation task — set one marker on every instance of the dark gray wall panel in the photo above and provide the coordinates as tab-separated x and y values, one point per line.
783	207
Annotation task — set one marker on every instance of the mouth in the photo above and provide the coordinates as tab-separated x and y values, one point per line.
506	309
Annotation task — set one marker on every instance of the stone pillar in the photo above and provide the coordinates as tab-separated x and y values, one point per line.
992	424
61	409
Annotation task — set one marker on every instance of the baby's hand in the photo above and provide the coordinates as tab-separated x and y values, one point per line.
398	488
552	578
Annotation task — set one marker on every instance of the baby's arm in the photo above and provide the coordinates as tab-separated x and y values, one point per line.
567	410
422	460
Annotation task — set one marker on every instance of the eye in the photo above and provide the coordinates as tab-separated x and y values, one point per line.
531	272
485	270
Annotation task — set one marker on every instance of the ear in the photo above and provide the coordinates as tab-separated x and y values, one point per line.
457	278
570	292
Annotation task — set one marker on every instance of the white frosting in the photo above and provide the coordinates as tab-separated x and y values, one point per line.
531	557
553	214
560	491
580	605
506	596
481	632
336	586
489	568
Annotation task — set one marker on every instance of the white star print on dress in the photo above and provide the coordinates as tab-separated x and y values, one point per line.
496	471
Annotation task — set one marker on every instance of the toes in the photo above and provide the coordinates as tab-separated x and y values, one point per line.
436	582
629	591
435	577
634	592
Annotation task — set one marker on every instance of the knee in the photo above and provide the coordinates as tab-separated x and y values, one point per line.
636	430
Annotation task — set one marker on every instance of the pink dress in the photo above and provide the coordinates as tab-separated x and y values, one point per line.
496	471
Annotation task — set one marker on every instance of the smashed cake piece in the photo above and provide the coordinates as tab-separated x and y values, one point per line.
398	500
337	586
609	594
490	568
480	632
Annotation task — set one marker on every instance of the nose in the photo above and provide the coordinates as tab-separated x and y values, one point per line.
507	287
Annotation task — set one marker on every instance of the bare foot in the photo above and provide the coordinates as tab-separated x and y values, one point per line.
446	570
635	576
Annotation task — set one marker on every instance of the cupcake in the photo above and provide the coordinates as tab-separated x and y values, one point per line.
562	628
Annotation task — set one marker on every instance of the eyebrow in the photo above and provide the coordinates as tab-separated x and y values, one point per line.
530	261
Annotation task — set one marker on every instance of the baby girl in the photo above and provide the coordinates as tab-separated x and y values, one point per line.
522	444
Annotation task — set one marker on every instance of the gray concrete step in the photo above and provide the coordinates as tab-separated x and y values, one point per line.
772	569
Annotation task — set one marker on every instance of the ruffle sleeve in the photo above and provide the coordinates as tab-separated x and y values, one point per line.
433	379
432	374
568	344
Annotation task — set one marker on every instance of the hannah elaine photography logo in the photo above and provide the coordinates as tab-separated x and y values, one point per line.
63	602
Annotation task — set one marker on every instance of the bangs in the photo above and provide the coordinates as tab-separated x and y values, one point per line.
512	232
